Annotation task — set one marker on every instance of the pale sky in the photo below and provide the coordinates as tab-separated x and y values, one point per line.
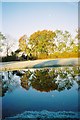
0	16
40	0
19	18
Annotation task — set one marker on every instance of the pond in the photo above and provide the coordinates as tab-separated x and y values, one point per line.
48	90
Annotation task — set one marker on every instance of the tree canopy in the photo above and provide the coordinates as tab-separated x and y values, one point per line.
42	41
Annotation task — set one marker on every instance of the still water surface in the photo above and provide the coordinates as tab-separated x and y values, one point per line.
52	89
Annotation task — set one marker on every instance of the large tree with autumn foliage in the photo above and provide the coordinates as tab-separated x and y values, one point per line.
42	42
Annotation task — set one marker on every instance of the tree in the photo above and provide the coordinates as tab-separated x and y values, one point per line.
41	42
8	45
23	45
63	40
77	37
2	38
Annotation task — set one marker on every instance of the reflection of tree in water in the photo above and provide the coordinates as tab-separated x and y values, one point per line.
25	80
43	80
51	79
0	87
9	82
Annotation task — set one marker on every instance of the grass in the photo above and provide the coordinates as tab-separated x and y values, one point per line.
10	66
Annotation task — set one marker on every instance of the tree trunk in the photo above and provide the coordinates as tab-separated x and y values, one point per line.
7	53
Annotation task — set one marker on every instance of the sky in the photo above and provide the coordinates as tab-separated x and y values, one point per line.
0	16
40	0
19	18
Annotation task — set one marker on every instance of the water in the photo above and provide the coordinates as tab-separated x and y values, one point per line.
51	89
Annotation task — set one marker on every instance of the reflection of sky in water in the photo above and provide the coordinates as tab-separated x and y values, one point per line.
0	107
17	99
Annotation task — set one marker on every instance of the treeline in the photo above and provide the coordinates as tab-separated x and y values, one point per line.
43	44
48	44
